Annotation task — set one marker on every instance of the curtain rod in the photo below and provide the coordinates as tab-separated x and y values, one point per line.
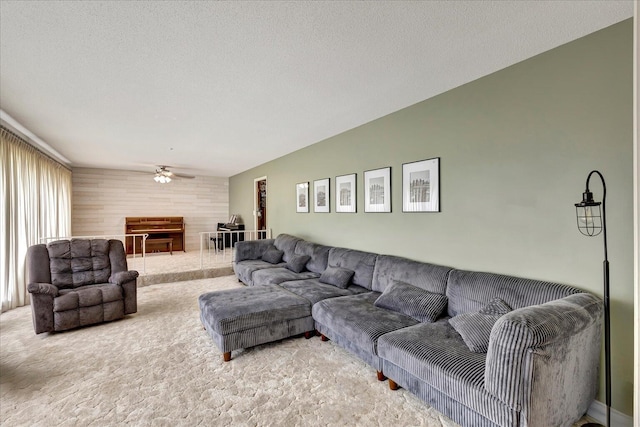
23	141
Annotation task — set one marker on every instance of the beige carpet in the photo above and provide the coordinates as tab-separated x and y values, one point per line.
159	367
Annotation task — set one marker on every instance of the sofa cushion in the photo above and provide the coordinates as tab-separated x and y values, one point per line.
436	354
273	255
87	296
318	255
245	269
418	303
361	263
79	262
358	320
287	244
389	268
275	276
252	249
337	276
298	263
469	291
475	328
315	291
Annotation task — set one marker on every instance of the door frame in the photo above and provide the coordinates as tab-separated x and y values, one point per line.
255	201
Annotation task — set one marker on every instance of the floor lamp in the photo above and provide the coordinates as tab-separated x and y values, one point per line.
591	221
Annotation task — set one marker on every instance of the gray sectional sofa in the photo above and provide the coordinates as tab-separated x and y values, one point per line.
482	348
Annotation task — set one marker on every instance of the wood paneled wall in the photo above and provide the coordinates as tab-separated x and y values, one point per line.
102	198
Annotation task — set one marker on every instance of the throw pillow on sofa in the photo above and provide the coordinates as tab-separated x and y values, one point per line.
475	328
337	276
298	263
415	302
272	255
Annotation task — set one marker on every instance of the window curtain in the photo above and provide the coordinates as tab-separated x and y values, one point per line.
36	203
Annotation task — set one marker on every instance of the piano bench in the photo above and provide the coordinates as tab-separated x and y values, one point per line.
168	242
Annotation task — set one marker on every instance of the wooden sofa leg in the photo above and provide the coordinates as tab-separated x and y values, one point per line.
323	338
393	385
381	376
226	356
309	334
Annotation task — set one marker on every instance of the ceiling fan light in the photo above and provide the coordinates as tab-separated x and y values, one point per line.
161	178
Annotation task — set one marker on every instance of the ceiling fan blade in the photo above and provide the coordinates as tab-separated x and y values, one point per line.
180	175
164	170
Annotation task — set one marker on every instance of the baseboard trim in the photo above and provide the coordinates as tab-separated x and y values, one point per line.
598	411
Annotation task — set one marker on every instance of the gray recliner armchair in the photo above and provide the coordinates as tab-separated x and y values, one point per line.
79	282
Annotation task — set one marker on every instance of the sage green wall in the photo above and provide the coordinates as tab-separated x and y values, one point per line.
515	148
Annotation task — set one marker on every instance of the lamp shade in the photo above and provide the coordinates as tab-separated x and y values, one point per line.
588	215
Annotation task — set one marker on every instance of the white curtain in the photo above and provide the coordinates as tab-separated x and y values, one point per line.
36	203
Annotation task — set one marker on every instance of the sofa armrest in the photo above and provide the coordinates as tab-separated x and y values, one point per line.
538	351
252	249
43	288
123	277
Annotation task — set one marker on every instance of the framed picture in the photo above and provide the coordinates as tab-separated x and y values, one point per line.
346	193
321	195
377	190
421	186
302	197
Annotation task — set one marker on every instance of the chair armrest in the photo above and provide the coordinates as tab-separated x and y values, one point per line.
252	249
123	277
556	335
43	288
42	296
127	279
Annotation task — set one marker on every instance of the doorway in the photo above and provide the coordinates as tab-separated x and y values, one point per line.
260	205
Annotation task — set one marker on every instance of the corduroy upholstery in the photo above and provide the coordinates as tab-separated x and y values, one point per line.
241	318
539	366
535	352
316	291
249	253
361	263
424	306
312	268
79	282
472	290
337	276
390	269
357	321
475	327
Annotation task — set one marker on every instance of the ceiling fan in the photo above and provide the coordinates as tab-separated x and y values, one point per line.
164	175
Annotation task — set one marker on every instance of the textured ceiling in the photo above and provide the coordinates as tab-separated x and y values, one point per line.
215	88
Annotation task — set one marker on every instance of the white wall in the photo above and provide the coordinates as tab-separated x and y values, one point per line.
102	198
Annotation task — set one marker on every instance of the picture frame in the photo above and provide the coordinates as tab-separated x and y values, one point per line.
377	190
302	197
321	195
421	186
346	193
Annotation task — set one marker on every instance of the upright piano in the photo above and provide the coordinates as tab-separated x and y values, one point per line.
160	228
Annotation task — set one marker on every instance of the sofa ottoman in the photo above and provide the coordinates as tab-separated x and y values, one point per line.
246	317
